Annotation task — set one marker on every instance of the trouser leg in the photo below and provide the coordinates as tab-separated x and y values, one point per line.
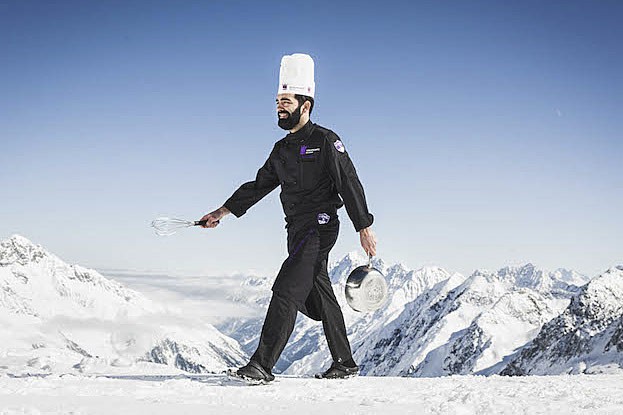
333	320
305	267
278	326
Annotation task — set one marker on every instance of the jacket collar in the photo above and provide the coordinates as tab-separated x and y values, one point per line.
301	134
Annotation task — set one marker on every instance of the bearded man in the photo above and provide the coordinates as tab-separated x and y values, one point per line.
317	177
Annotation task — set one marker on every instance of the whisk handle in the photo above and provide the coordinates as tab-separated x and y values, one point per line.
203	222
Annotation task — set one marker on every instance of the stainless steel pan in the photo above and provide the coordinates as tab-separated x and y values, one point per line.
366	288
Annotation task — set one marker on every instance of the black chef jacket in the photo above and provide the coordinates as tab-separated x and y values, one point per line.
314	170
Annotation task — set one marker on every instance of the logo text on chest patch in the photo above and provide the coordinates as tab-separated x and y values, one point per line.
306	151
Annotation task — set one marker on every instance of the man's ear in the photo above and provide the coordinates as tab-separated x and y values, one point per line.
306	106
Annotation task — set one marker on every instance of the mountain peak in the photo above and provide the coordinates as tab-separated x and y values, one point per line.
575	339
73	313
604	291
341	268
523	273
20	250
561	282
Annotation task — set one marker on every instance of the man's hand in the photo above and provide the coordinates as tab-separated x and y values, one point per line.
212	219
368	241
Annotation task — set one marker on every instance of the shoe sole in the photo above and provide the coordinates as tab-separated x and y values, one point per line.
247	379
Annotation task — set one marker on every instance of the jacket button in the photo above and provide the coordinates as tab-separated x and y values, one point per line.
283	182
294	182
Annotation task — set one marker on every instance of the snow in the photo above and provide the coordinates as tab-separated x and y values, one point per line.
435	323
61	318
585	338
73	341
217	394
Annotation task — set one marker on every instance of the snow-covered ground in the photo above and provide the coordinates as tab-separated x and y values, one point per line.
217	394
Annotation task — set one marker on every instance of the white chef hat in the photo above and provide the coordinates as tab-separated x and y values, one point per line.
296	75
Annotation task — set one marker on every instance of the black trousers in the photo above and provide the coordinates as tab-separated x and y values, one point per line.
303	285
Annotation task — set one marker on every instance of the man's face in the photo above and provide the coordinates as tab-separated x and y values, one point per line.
288	111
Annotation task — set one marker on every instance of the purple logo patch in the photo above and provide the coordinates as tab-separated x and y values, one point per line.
323	218
339	146
303	150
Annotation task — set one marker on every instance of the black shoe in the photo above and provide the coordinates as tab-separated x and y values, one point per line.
255	372
339	371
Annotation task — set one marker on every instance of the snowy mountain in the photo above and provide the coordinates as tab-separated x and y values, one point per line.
56	317
404	286
435	323
60	318
38	284
307	351
466	326
586	338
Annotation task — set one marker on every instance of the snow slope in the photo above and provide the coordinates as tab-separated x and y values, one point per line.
307	351
60	318
435	323
586	338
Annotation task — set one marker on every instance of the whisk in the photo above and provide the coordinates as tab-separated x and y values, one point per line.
165	226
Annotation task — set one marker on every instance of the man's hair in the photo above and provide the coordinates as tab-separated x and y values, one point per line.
302	98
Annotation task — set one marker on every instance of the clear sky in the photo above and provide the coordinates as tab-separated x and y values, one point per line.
486	133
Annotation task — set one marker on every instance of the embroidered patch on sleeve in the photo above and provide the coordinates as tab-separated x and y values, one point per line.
339	146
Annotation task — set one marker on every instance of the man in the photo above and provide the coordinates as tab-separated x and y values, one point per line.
313	169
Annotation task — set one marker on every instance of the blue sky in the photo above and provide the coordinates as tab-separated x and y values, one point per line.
486	133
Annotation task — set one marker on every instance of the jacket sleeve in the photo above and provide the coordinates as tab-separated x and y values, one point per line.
252	192
344	176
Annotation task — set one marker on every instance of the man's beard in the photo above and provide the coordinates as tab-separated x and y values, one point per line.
291	120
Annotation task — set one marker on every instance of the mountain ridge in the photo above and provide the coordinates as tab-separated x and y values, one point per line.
61	317
435	323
